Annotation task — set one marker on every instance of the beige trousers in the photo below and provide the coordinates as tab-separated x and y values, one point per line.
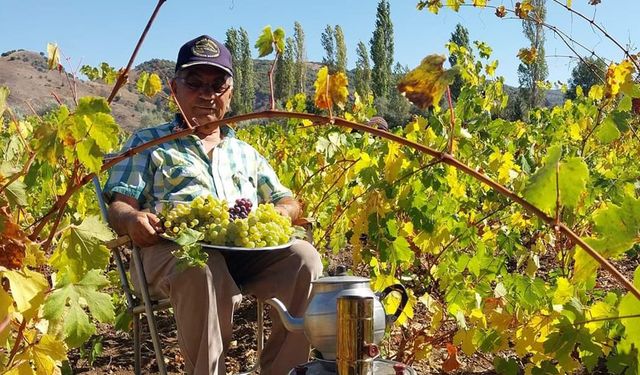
204	299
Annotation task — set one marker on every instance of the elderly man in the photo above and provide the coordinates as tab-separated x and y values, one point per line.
212	161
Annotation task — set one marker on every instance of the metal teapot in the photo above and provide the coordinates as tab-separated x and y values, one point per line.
320	318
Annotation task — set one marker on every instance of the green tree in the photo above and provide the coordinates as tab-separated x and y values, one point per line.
382	52
233	44
530	74
300	58
285	75
398	111
362	79
590	71
327	41
341	50
248	93
460	36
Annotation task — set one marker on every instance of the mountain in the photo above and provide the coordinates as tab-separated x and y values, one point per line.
34	88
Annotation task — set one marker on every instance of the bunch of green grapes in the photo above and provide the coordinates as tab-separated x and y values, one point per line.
203	214
262	228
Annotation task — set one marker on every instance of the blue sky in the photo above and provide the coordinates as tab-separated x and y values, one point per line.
89	32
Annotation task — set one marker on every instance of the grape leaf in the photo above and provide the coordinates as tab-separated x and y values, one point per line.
268	39
607	132
617	229
572	179
28	289
425	85
330	89
402	250
149	84
53	54
67	301
46	353
89	155
81	248
630	305
455	4
619	77
16	193
480	3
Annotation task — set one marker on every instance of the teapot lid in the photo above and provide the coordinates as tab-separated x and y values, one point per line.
341	279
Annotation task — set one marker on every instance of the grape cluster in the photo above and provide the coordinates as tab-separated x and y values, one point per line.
241	209
235	226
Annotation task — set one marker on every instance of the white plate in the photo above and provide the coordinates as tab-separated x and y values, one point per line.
207	246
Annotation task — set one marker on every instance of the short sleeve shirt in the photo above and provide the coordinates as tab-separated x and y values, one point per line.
179	170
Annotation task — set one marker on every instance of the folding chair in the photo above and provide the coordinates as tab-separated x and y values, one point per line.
147	305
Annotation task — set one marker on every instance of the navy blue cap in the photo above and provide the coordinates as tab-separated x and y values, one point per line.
204	50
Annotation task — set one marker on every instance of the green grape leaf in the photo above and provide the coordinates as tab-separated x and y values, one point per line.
264	44
608	131
278	40
81	248
149	84
53	53
76	327
617	229
630	305
28	289
104	131
89	155
573	179
542	189
16	193
507	366
90	105
4	94
67	301
402	250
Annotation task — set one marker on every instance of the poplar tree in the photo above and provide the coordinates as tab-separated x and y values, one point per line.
530	74
301	58
382	52
248	94
362	79
460	36
233	44
341	50
285	75
326	39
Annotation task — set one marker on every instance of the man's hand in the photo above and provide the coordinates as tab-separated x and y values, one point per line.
125	217
143	228
290	207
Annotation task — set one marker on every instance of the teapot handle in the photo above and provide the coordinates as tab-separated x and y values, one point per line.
403	300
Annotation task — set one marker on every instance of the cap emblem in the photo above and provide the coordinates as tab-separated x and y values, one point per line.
206	48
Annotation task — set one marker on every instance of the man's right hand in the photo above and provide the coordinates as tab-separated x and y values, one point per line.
125	217
143	228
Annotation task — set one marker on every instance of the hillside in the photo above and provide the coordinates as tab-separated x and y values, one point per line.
33	87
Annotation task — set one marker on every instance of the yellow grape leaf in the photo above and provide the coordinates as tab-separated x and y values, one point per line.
47	354
501	11
23	368
433	5
425	85
364	162
149	84
330	89
53	53
28	289
458	189
464	338
528	55
619	77
564	292
569	3
480	3
455	4
523	9
392	162
596	92
599	310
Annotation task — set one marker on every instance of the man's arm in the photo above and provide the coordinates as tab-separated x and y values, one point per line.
288	206
125	217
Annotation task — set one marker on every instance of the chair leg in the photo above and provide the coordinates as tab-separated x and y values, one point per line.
137	346
153	331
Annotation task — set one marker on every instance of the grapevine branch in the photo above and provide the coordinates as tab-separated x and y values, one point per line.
438	155
122	77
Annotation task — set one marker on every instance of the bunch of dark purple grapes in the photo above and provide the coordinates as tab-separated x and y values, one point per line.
241	209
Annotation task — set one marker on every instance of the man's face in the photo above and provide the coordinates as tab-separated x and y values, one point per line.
204	93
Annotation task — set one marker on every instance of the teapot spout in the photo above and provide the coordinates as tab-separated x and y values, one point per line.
290	323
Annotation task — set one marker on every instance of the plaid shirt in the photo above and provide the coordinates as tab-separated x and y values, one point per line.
179	170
